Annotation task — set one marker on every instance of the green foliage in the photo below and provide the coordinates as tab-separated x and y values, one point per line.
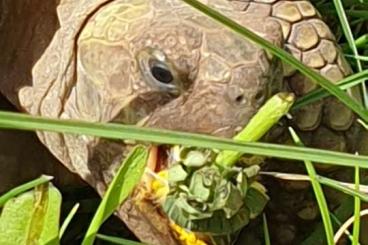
266	117
32	217
321	200
119	131
126	178
22	188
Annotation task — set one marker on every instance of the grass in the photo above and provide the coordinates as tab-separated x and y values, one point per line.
126	178
118	131
355	43
357	208
321	200
350	39
266	231
68	219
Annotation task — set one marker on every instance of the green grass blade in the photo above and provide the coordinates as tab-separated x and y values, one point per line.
343	212
321	93
362	40
338	186
117	240
363	14
265	230
358	57
22	188
68	219
357	207
344	187
321	200
283	55
339	223
127	177
12	120
349	37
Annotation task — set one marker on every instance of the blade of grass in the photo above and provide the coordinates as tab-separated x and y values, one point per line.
321	200
363	14
126	178
362	41
357	206
68	219
22	188
12	120
343	212
283	55
265	230
347	188
349	37
340	186
339	223
117	240
346	225
358	57
321	93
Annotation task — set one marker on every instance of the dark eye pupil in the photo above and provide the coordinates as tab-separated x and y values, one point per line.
162	74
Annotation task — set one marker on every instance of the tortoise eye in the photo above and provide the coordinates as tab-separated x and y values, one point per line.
158	72
162	74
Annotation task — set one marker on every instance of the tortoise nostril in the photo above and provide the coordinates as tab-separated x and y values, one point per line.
259	96
239	99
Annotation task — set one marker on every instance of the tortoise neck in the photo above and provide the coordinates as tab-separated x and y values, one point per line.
26	29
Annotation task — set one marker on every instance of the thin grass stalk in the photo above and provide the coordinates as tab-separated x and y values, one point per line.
12	120
321	93
357	208
266	230
350	38
68	219
321	200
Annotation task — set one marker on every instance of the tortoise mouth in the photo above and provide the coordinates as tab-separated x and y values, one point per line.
159	158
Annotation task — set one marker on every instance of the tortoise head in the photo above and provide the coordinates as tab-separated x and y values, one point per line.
173	69
155	63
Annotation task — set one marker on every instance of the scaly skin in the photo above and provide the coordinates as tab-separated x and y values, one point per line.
94	69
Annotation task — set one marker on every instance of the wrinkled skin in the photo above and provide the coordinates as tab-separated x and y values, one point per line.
98	67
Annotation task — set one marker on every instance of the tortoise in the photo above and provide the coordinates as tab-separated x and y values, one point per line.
159	63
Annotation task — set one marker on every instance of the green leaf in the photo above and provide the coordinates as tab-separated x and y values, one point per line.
68	219
119	131
283	55
32	218
267	116
127	177
256	201
22	188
